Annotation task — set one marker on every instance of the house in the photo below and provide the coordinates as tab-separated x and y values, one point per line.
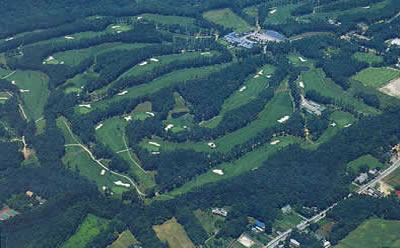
7	213
311	107
294	243
220	211
260	225
29	193
361	178
327	244
286	209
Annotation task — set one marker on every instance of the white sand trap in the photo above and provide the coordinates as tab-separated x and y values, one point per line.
10	38
150	113
275	142
242	89
103	172
301	84
119	183
122	93
119	31
184	127
205	53
273	11
3	98
154	144
85	105
366	7
104	188
155	153
128	118
116	26
99	126
218	171
50	58
13	82
143	63
256	76
139	17
392	88
69	37
23	91
62	62
154	60
302	60
283	119
333	124
211	144
168	127
246	241
260	72
268	76
346	126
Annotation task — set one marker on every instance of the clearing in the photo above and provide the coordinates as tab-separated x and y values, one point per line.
89	229
373	233
125	240
367	160
370	58
228	19
174	234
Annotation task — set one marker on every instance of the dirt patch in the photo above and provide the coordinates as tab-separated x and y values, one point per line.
392	88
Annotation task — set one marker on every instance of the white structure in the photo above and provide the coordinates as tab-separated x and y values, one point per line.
220	211
294	243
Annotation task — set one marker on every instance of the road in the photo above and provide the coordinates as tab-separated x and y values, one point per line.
385	173
321	215
141	194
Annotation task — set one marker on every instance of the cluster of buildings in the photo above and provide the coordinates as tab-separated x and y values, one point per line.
220	211
7	213
311	106
249	39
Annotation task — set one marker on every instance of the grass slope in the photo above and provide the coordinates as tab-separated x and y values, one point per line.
172	232
228	19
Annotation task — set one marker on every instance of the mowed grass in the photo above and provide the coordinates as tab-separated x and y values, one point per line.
228	19
393	179
316	80
165	81
286	221
172	232
373	233
281	15
370	58
125	240
35	99
376	77
250	161
254	85
366	160
89	229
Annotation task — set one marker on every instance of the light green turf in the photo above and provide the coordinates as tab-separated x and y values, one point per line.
250	161
35	99
228	19
370	58
282	14
168	19
373	233
254	85
165	81
89	229
368	160
376	77
315	80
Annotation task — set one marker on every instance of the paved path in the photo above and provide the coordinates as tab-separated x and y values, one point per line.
141	194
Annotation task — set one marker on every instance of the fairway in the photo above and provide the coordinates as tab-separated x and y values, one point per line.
367	160
172	232
250	161
316	80
35	98
89	229
373	233
281	14
168	19
376	77
370	58
228	19
125	240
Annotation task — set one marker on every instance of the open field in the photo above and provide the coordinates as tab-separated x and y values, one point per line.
253	87
250	161
373	233
393	179
165	81
174	234
89	229
366	160
316	80
370	58
286	221
208	220
294	58
125	240
376	77
281	14
35	99
228	19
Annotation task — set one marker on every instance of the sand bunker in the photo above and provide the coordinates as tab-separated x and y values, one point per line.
392	88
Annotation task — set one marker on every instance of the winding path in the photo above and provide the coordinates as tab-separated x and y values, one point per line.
141	194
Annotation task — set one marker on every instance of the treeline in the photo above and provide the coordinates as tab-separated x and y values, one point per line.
349	214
